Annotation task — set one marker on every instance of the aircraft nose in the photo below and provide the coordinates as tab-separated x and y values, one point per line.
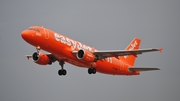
26	34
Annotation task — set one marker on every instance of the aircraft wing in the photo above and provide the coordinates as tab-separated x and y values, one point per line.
116	53
51	57
142	69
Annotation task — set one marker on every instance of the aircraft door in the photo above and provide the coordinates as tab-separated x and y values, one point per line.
46	34
121	65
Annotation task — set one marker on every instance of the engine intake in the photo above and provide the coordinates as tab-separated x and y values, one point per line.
85	56
40	58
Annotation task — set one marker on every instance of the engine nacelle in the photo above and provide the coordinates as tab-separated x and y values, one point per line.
40	58
85	56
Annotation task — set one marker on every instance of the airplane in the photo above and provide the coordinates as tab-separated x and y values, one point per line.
63	49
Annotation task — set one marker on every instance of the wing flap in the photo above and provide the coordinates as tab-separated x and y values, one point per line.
143	69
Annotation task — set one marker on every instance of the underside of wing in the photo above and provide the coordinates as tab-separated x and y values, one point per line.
115	53
143	69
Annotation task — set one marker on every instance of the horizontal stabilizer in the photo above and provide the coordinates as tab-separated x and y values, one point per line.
143	69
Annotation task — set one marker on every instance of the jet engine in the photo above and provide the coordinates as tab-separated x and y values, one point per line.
40	58
85	56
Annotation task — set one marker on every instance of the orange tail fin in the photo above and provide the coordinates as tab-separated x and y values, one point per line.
134	45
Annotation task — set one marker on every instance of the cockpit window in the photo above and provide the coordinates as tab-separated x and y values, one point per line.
34	29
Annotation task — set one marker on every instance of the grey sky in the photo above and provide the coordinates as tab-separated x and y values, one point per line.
104	25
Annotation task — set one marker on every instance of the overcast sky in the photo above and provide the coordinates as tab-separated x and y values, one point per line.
103	24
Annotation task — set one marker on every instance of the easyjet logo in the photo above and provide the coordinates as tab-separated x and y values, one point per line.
132	46
73	44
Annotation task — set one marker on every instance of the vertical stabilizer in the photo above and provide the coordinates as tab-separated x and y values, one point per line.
134	45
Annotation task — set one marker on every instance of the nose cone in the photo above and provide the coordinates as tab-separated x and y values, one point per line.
27	35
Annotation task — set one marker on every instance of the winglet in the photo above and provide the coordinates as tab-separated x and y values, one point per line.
28	56
160	50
